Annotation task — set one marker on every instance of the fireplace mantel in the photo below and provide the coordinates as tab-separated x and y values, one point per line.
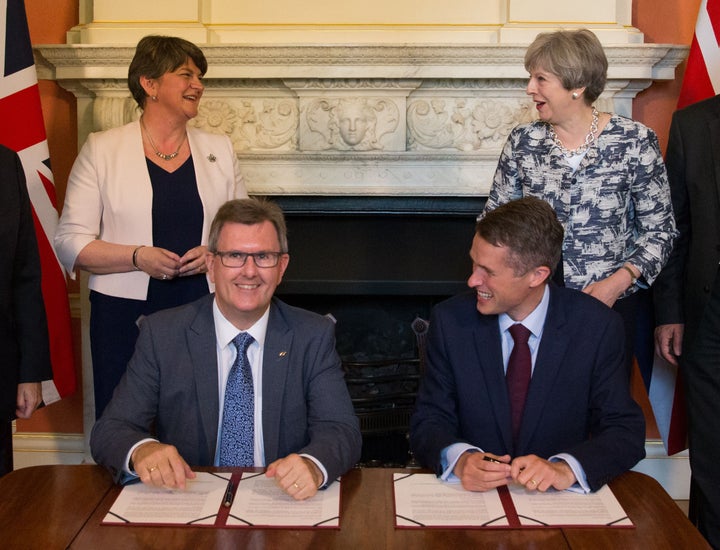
354	119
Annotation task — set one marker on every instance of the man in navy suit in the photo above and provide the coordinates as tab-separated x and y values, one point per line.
24	347
580	426
166	412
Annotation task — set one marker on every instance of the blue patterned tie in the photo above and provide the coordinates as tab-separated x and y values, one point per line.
238	424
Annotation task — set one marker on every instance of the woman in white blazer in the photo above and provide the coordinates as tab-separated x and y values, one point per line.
139	203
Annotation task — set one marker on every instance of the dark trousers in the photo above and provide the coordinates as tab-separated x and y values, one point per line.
113	333
701	376
628	309
6	449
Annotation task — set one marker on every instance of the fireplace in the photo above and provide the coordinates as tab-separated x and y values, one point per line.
377	265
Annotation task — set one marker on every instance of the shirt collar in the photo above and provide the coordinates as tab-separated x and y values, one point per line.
225	331
535	321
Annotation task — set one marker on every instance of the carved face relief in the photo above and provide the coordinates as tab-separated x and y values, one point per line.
354	119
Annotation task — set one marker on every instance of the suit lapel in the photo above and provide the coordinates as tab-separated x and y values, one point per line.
714	125
488	355
203	355
553	347
276	360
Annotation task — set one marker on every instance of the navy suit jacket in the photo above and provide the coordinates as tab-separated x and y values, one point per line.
578	401
24	347
170	391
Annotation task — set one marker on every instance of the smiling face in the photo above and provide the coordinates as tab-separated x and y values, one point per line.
499	289
177	91
552	101
244	293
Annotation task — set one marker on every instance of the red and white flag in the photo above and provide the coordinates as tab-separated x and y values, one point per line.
702	73
23	131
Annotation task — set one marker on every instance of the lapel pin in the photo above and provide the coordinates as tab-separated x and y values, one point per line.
282	354
211	157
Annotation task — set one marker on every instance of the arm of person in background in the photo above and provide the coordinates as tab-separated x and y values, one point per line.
505	185
77	239
29	315
668	288
654	222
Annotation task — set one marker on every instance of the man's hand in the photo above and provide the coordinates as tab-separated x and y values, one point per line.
29	397
476	473
160	465
536	473
668	342
298	476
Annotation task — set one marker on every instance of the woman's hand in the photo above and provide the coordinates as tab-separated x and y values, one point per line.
193	262
158	262
608	290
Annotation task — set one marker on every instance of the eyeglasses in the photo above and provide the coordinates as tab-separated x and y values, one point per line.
235	258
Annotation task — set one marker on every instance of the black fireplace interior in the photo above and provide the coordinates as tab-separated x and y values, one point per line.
377	265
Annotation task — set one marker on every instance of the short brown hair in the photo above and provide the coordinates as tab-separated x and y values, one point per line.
250	211
529	229
157	55
576	57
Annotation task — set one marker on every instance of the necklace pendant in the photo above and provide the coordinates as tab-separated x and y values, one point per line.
589	138
167	157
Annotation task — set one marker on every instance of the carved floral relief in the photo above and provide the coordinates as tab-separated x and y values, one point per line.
254	125
463	124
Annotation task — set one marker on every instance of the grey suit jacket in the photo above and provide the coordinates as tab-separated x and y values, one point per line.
693	162
170	391
578	401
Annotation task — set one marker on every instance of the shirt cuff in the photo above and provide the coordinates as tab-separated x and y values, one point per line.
127	469
581	486
322	469
449	457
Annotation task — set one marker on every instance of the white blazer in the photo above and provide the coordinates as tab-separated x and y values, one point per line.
109	197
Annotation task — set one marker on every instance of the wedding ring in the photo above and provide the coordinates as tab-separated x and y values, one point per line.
533	482
296	486
164	277
152	469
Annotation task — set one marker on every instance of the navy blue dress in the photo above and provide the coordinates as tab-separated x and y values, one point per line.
177	220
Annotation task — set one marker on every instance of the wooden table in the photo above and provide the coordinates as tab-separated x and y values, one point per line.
63	507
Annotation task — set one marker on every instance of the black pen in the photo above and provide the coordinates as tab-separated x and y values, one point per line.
491	459
228	494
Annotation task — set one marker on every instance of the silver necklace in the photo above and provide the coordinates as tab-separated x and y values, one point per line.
152	144
589	138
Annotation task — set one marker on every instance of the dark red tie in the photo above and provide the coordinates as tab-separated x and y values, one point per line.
518	374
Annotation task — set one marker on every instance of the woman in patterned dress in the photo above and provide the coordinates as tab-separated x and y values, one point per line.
602	173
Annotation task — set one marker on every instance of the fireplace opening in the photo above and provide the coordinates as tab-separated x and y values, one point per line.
377	266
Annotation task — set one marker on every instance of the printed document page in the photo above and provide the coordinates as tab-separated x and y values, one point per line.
197	504
422	500
259	502
568	508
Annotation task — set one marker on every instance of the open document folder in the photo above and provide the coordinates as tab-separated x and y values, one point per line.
225	500
422	500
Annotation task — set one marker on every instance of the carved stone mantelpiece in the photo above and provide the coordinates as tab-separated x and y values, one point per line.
354	119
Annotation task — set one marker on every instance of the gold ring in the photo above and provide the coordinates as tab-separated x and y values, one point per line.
152	469
533	482
296	486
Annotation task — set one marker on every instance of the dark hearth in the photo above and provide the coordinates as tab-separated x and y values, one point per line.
376	264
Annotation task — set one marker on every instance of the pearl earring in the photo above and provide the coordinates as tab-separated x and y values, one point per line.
575	95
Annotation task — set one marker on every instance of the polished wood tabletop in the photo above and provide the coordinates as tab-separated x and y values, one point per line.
63	507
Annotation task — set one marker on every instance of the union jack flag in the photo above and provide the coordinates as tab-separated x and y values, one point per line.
23	131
